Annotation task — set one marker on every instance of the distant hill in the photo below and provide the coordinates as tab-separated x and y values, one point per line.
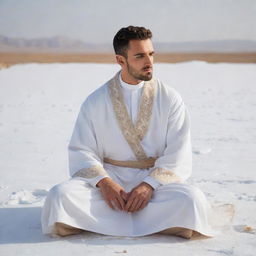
222	46
64	45
52	44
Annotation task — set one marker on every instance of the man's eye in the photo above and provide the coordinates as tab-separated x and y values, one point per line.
139	56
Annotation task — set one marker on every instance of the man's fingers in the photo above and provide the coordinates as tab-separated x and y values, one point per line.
120	203
124	195
133	204
116	204
128	204
144	203
110	204
138	205
114	194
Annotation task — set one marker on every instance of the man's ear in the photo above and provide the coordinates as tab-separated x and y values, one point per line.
120	60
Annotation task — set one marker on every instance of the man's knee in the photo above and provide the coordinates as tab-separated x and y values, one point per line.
59	190
185	192
193	192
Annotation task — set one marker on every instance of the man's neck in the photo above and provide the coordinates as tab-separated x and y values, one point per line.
129	80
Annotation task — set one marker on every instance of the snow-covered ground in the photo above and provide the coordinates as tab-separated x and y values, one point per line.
38	107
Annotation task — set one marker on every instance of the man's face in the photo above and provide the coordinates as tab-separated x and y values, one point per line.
139	62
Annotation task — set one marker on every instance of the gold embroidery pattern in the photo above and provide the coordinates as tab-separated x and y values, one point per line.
90	172
164	176
132	134
145	109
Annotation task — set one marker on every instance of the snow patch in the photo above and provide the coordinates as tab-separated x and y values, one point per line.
26	197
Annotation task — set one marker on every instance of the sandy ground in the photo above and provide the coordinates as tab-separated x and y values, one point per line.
10	58
38	106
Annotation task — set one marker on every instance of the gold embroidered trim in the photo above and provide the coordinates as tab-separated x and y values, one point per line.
164	176
145	108
124	120
90	172
133	135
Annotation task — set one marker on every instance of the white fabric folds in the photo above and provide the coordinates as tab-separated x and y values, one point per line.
124	123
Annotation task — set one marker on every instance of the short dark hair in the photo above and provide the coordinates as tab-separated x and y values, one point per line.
124	35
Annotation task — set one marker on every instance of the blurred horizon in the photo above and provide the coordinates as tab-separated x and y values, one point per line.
64	44
83	30
98	21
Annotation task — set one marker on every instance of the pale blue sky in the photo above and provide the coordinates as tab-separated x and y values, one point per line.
97	21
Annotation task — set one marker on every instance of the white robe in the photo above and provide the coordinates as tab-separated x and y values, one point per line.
159	120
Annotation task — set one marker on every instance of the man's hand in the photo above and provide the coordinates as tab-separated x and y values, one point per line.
113	193
139	197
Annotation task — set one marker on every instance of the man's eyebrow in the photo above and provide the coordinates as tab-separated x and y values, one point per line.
142	53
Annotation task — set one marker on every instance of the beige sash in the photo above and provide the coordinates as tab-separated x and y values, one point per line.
133	134
140	164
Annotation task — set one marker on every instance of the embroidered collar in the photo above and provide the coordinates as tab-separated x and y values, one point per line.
133	134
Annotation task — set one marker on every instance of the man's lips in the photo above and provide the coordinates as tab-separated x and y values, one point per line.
147	69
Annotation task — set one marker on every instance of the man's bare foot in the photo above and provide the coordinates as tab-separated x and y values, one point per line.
63	229
178	231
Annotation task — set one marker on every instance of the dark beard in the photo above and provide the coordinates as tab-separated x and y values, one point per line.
138	76
144	78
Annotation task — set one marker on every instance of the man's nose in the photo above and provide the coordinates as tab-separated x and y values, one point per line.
149	60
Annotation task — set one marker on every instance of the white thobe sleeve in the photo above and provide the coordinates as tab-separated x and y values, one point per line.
175	164
85	160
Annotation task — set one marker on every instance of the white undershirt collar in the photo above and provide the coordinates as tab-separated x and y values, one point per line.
130	86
